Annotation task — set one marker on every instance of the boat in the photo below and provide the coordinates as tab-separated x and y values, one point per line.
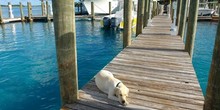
116	20
101	6
205	12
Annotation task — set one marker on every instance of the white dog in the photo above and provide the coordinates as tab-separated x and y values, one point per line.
115	89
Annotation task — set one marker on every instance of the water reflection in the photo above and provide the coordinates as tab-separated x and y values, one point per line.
3	30
13	29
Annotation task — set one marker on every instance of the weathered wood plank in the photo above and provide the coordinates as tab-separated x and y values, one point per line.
156	69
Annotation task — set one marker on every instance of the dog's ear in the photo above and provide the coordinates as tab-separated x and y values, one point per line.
116	91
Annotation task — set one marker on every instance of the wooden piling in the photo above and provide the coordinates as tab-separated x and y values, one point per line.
127	23
42	8
92	11
65	37
179	7
212	99
29	11
1	17
191	28
146	13
110	8
21	12
182	21
154	9
48	11
140	15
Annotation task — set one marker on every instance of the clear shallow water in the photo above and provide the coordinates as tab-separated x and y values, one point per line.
204	44
28	69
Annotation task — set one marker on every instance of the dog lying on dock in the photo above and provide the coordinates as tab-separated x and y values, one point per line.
115	89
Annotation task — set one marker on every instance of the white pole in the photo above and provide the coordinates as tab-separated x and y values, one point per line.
173	26
150	14
168	10
10	11
51	10
161	9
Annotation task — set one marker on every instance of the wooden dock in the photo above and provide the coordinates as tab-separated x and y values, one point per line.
156	69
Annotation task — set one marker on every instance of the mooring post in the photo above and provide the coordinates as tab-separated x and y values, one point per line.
154	9
48	11
212	99
29	12
42	8
150	13
21	12
1	17
10	11
140	15
110	8
182	24
169	9
191	28
146	12
127	23
65	37
92	11
179	6
173	29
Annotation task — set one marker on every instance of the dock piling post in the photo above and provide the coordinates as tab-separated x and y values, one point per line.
182	24
140	15
173	26
42	8
179	7
21	12
146	12
150	13
110	8
29	12
127	23
48	11
169	9
1	17
191	28
92	11
65	38
10	11
212	99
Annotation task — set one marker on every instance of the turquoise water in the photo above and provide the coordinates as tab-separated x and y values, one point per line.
204	44
28	67
28	73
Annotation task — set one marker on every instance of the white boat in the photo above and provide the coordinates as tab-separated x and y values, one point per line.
204	9
101	6
205	12
116	20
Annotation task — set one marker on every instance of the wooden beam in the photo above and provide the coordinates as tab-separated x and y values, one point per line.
110	8
140	15
42	8
21	12
29	11
191	28
92	11
65	37
48	11
1	17
127	23
212	99
182	24
146	12
179	7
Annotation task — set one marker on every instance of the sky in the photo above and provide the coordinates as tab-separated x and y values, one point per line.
24	2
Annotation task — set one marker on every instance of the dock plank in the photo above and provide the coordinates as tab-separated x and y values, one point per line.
156	69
